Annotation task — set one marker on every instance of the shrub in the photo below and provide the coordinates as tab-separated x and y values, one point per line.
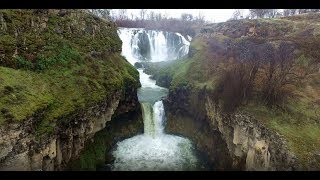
23	63
279	74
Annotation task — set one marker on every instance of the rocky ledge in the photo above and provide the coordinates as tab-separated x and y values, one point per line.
22	150
230	142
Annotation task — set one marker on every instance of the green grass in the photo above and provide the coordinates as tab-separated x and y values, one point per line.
30	92
51	40
298	124
53	74
98	152
60	92
94	154
299	118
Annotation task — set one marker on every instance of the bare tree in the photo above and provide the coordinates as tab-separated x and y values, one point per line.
143	13
272	13
152	16
237	14
293	12
123	14
186	17
279	73
286	12
105	13
301	11
158	17
315	10
132	16
200	18
259	13
102	13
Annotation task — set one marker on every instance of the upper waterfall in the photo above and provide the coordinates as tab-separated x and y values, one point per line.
152	45
154	149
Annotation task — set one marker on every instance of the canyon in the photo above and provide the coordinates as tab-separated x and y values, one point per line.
109	98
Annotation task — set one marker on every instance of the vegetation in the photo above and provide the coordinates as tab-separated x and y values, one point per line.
186	24
271	76
98	153
38	39
61	68
270	13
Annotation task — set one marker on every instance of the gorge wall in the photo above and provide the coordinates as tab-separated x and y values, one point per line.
20	149
236	142
62	80
254	136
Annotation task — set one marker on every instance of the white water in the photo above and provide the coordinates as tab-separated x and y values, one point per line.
164	46
153	150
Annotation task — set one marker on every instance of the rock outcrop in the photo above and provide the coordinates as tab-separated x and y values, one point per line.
231	142
206	92
20	149
251	145
62	79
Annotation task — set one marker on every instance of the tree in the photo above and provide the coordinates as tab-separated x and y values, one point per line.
271	13
123	14
237	14
186	17
279	73
152	16
301	11
143	13
105	13
259	13
236	84
102	13
293	12
113	15
132	16
286	12
315	10
158	17
200	18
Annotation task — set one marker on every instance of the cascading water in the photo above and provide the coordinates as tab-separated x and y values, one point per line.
150	45
153	150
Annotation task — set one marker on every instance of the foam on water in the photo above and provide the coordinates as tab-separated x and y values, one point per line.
153	150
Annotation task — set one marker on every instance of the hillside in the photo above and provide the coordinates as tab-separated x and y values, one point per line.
266	68
59	69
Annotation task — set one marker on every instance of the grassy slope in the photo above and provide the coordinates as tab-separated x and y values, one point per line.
67	82
299	121
98	152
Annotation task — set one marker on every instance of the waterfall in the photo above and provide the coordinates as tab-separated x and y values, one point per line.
158	117
153	118
154	46
153	150
147	115
149	45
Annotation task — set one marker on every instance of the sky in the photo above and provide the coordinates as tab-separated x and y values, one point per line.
212	15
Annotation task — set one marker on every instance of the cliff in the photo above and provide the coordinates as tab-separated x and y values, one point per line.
254	84
62	78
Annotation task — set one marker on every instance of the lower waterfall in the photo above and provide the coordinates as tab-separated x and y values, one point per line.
153	150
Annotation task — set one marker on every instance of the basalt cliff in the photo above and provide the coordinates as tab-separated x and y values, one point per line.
247	95
62	80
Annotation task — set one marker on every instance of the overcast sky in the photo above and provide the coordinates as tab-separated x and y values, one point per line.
213	15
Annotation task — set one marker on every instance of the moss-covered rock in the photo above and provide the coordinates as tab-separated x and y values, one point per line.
211	56
67	77
61	79
98	154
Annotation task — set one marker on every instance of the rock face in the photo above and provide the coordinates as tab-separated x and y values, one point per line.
251	143
69	110
209	143
20	149
236	142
